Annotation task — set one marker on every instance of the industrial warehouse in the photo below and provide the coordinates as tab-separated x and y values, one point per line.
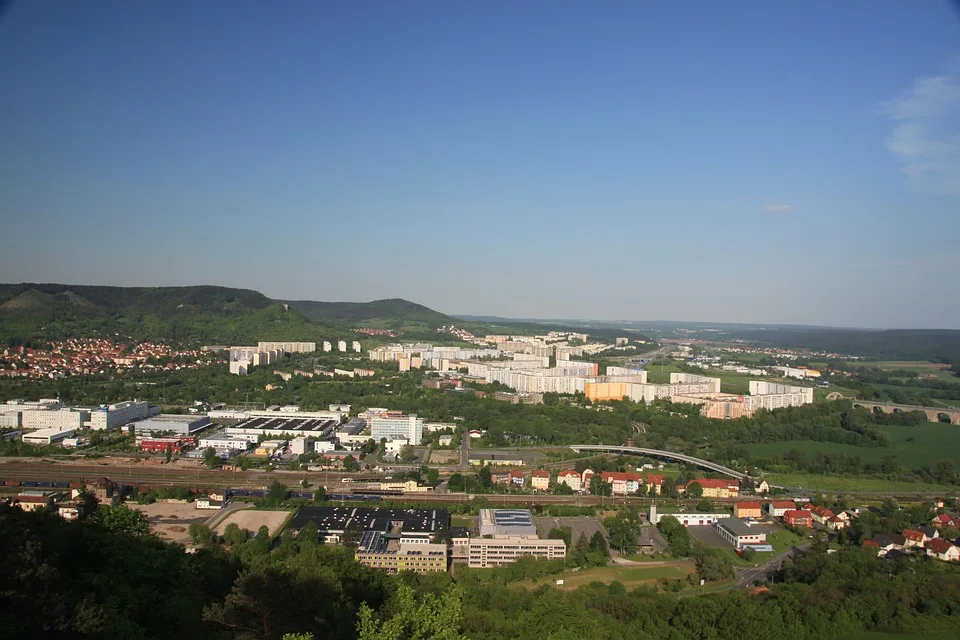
317	427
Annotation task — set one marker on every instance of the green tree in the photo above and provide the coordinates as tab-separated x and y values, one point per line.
320	494
352	534
600	487
277	493
123	520
669	487
561	533
694	490
234	535
350	464
169	453
485	477
210	458
598	544
87	504
705	506
200	533
406	454
433	617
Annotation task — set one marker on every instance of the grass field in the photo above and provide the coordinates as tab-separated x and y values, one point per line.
913	446
840	483
879	635
628	575
729	382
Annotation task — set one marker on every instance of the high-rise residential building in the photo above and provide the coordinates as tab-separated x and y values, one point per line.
342	346
327	347
356	346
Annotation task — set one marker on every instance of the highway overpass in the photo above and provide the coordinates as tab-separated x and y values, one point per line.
657	453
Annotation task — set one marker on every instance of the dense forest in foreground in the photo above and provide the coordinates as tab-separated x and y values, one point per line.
105	576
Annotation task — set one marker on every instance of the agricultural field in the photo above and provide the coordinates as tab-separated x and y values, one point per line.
913	446
630	576
841	483
253	519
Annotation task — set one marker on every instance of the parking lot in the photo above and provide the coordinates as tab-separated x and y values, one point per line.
708	536
579	526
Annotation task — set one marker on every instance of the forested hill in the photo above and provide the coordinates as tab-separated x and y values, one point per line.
208	314
394	313
894	344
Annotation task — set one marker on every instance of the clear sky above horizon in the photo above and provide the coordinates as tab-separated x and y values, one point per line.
741	161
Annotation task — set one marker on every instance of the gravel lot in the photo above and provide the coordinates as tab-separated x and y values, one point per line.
708	536
171	520
586	526
253	519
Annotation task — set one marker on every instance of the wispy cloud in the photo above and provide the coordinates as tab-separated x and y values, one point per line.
777	207
925	138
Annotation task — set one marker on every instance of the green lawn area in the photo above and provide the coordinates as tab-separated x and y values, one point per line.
462	521
783	540
840	483
913	446
729	382
880	635
630	576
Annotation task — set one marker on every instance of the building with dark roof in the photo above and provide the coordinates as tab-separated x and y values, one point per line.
409	525
507	522
739	533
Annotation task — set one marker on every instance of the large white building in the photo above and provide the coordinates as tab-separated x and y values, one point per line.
409	427
54	419
493	552
342	346
288	347
119	414
179	424
47	436
693	378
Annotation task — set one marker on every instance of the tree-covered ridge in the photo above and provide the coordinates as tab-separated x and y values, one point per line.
194	314
387	314
103	577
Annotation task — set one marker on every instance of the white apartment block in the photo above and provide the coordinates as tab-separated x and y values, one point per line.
493	552
288	347
342	346
409	427
119	414
356	346
762	388
54	420
327	347
693	378
636	375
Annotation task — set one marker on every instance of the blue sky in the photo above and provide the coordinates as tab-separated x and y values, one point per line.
740	161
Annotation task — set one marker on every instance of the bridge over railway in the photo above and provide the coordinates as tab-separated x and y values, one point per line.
950	415
658	453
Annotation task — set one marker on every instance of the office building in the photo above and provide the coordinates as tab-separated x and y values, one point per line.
507	522
54	419
119	414
414	526
393	424
493	552
225	442
385	552
739	533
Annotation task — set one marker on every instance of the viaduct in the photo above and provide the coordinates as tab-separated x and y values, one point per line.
949	415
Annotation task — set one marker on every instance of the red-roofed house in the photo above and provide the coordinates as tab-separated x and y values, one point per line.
821	514
914	538
836	523
653	483
778	507
798	518
623	483
872	546
944	520
942	550
570	478
540	479
747	510
517	478
585	478
713	488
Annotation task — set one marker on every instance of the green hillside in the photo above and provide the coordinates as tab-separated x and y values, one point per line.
202	314
395	313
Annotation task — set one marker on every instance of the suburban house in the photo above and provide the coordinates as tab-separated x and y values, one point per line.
798	518
885	544
653	482
517	478
914	538
836	523
623	483
739	533
713	488
930	532
942	550
570	478
777	508
946	520
31	500
585	478
762	487
821	514
212	501
747	510
540	479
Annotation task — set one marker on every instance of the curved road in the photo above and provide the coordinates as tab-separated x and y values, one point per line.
658	453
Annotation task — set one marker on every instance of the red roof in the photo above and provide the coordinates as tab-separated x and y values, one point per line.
871	543
823	512
797	513
783	504
747	505
938	545
613	476
541	473
653	478
913	535
516	474
944	518
566	473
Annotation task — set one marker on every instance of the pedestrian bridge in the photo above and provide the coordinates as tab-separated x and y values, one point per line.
658	453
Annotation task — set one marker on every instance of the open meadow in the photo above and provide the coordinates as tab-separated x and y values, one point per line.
913	446
171	520
629	576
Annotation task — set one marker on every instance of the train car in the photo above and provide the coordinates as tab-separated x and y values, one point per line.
378	492
11	483
61	485
75	485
